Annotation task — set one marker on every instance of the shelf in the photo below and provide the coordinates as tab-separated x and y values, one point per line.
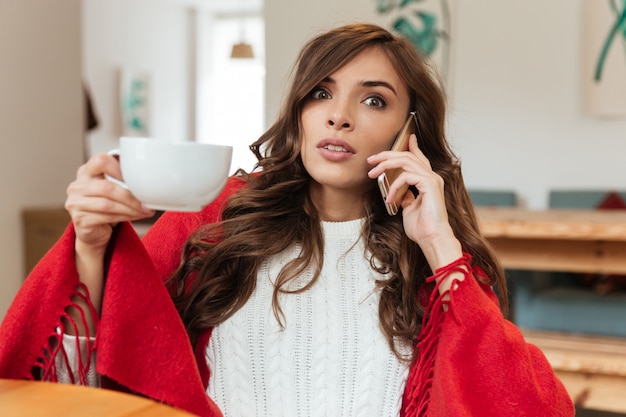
592	368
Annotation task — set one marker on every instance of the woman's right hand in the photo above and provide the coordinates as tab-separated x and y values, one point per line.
97	204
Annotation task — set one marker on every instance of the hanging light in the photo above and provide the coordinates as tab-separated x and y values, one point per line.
242	49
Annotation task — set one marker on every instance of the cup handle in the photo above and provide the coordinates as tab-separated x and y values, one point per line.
115	152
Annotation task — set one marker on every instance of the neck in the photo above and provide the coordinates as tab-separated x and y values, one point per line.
337	204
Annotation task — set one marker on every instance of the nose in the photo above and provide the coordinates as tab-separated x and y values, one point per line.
339	123
340	118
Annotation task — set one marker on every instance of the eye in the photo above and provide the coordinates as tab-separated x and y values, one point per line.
375	101
319	93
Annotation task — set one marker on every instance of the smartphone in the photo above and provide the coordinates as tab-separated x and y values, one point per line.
401	143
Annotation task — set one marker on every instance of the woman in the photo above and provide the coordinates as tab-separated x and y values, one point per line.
299	294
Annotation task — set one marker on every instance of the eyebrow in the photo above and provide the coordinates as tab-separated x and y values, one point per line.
373	83
379	84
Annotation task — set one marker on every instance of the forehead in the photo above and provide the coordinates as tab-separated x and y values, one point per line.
370	64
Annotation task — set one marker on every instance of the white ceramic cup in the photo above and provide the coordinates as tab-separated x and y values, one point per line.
172	175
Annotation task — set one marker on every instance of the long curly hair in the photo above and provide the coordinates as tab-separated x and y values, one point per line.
274	210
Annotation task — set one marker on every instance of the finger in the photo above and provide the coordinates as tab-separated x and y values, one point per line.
111	207
416	151
423	182
405	161
382	156
400	186
103	196
413	145
90	220
382	161
409	199
92	183
112	191
100	164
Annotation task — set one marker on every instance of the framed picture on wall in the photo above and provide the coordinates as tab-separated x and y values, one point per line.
604	58
134	91
429	25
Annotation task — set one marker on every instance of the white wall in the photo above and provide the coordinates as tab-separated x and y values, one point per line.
41	118
141	35
289	24
515	119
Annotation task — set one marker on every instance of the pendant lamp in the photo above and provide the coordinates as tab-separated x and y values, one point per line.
242	49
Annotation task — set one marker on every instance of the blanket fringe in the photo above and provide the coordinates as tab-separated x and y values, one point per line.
53	354
421	377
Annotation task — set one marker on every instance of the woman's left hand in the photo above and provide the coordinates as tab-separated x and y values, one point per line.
425	217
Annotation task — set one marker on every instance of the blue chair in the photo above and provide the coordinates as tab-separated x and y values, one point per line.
584	199
493	198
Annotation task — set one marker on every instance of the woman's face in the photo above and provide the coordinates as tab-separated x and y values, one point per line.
354	113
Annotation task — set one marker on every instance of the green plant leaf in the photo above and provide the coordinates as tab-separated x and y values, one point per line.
424	38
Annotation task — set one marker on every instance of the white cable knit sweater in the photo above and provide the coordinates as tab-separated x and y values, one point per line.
331	359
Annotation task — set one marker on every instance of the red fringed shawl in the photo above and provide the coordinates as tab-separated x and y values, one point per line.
472	362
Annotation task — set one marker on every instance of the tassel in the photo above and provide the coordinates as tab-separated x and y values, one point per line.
54	350
422	372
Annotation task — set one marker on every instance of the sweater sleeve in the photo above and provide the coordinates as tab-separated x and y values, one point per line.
76	351
473	362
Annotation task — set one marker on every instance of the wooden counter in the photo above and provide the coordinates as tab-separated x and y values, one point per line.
593	368
591	241
46	399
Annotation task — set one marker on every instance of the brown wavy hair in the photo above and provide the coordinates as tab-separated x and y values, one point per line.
274	210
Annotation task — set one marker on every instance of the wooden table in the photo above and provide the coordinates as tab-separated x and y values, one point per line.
39	399
557	240
592	368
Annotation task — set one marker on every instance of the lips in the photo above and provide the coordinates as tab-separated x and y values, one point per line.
335	150
336	145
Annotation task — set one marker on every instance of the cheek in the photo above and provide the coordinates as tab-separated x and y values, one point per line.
382	145
308	116
381	135
386	145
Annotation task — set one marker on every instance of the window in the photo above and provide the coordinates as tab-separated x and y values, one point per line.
231	91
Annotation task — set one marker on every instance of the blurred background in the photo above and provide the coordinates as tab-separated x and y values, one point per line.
516	74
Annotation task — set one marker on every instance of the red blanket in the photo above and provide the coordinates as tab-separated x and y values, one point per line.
472	362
